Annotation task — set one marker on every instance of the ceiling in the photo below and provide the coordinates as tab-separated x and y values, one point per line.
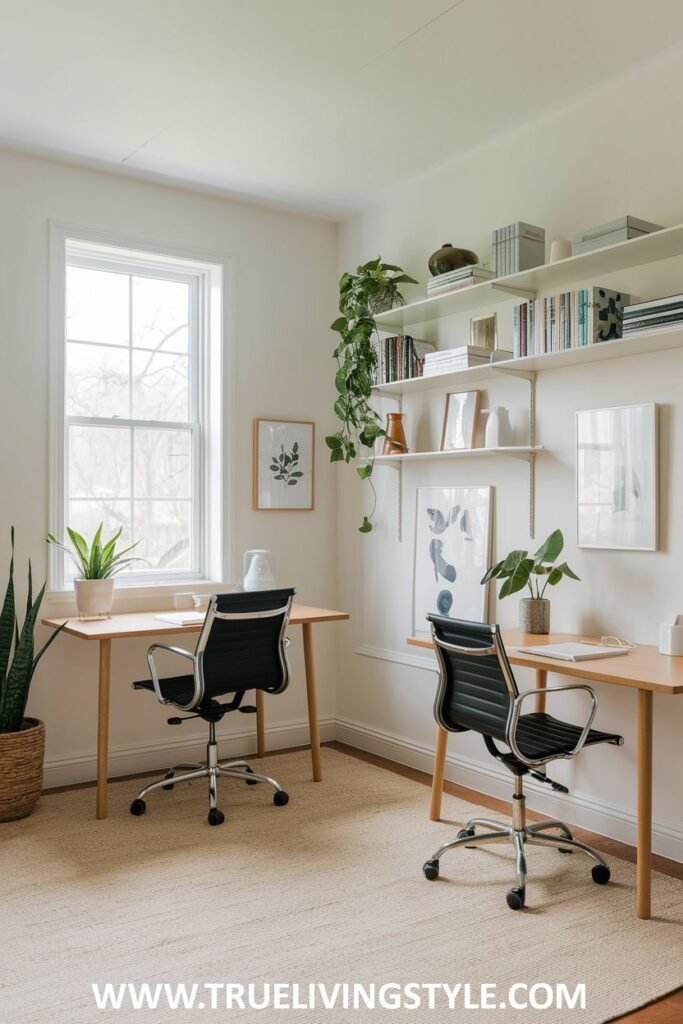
315	104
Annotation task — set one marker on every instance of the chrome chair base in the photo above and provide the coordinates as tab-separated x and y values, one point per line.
212	770
521	835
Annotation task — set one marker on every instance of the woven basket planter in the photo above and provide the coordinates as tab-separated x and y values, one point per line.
21	769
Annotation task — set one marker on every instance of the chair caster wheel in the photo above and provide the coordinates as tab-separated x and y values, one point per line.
138	807
515	898
430	869
601	874
281	798
465	833
250	782
216	817
565	849
170	785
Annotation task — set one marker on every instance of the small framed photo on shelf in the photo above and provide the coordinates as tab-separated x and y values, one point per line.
284	463
484	331
460	420
616	478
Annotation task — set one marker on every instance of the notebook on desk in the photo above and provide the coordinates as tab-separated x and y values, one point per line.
574	651
181	618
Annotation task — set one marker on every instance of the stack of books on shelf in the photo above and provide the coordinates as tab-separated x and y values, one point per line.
642	317
400	357
454	280
451	359
620	230
517	247
555	323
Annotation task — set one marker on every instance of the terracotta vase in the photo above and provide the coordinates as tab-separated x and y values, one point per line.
395	440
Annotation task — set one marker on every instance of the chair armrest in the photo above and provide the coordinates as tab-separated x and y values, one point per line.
517	711
198	687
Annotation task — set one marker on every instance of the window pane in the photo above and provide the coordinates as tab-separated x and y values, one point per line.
161	387
99	462
164	529
162	463
161	314
97	306
97	381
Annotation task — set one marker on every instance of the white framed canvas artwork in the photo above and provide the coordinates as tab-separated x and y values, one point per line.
284	463
460	420
452	553
616	477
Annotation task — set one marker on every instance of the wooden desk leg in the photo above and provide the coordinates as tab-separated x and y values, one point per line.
644	804
260	725
312	695
103	728
541	683
437	777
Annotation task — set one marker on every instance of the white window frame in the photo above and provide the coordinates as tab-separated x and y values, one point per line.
209	277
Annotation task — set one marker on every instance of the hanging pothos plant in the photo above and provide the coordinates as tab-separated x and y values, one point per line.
372	289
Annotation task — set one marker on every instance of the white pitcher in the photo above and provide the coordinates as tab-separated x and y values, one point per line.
257	572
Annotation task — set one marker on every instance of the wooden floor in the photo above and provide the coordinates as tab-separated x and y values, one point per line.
668	1010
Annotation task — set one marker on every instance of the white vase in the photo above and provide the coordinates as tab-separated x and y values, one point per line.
257	573
94	598
498	432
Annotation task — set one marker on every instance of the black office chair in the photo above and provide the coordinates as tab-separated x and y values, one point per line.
477	691
242	646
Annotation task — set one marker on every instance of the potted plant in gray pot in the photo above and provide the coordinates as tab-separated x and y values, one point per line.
22	740
539	571
96	564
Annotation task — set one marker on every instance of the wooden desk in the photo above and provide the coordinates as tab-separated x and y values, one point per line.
644	669
144	624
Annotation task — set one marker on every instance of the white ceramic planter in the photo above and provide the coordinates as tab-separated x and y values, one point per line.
94	598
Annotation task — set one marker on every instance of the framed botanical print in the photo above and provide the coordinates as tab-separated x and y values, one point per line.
460	420
616	478
284	464
452	553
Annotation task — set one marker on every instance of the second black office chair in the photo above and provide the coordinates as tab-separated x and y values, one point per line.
477	691
242	646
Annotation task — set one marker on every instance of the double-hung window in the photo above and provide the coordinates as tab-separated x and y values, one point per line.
135	407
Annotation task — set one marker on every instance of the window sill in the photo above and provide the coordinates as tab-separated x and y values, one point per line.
140	597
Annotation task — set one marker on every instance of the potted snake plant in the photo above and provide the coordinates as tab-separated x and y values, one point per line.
537	572
96	565
22	740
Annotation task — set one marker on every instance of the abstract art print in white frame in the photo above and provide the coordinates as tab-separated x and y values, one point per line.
616	478
452	553
283	465
460	420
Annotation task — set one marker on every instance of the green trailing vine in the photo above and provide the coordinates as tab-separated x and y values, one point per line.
373	288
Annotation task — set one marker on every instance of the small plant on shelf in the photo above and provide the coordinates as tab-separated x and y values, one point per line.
537	572
371	290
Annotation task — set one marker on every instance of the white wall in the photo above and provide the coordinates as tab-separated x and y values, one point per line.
611	153
283	304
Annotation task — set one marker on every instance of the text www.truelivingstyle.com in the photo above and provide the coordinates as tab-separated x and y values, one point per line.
338	996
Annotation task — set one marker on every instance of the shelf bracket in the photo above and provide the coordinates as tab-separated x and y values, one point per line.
522	293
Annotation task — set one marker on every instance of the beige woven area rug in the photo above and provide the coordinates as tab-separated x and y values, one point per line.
325	891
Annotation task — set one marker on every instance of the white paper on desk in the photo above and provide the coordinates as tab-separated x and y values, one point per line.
181	618
574	651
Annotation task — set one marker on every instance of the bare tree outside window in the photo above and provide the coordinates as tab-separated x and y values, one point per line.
131	410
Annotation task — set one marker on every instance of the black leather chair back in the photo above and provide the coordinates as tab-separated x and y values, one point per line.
475	691
245	653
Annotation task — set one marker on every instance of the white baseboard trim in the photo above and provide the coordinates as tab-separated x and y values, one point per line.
68	769
582	811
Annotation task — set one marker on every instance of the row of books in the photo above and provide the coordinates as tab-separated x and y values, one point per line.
554	323
653	315
451	359
516	247
400	357
453	280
